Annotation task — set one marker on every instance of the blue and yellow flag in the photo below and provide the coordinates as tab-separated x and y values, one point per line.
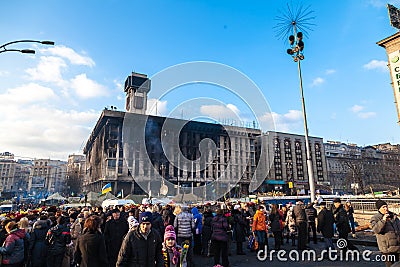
106	188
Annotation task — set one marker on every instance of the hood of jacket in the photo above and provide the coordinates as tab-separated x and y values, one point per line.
195	211
19	233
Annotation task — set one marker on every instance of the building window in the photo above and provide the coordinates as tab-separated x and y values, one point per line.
277	160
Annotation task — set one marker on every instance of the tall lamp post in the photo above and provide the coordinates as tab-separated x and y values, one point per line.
296	51
4	49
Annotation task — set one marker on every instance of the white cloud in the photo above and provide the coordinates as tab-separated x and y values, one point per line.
281	122
366	115
218	112
363	115
330	71
42	131
48	70
29	93
4	73
356	108
317	81
376	64
87	88
68	53
156	107
233	108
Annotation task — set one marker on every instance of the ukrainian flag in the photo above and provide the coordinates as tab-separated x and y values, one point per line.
106	188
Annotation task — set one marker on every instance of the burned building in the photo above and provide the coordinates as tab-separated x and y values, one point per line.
138	153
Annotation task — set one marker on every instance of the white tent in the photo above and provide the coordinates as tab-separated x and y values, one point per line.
56	196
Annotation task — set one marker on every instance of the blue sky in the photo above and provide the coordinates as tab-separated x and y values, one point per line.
50	101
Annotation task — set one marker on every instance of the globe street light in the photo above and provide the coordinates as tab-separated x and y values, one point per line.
290	21
24	51
296	51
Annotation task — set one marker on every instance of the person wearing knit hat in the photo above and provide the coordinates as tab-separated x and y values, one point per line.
386	225
133	223
171	251
142	239
379	203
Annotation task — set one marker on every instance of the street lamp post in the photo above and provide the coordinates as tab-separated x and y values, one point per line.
296	51
3	48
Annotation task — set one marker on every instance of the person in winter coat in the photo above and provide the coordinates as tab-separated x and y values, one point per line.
168	216
114	232
219	238
57	239
37	242
275	224
173	254
300	216
198	227
325	222
311	213
13	248
350	213
158	223
184	225
3	232
90	249
77	227
240	229
342	223
386	226
206	231
291	226
141	247
259	228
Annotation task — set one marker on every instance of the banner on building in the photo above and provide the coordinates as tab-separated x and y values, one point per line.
38	181
394	63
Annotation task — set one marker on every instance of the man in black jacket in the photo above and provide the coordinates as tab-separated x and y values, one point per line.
141	247
342	223
325	225
114	232
57	239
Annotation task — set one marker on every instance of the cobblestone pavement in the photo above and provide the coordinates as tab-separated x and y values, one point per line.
250	259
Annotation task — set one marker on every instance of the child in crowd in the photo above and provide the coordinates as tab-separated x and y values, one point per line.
173	254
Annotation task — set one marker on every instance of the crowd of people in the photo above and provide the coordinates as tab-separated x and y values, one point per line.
170	235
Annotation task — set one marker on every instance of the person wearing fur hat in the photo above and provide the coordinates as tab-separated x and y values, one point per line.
13	248
141	247
173	254
386	226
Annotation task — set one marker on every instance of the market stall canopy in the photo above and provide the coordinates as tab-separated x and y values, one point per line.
56	196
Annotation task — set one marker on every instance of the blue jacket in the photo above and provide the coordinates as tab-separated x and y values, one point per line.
198	220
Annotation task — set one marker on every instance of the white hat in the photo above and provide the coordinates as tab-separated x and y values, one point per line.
236	207
132	222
